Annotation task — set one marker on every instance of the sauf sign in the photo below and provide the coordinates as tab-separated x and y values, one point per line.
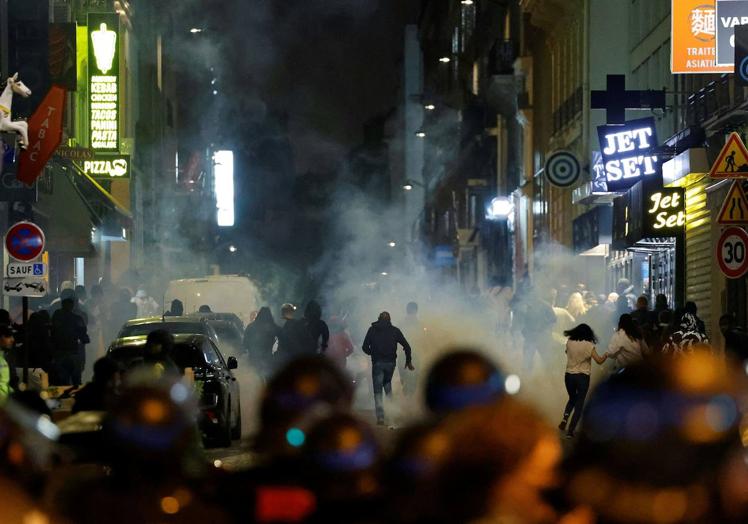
665	213
628	152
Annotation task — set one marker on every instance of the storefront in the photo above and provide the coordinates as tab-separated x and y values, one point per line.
648	233
592	232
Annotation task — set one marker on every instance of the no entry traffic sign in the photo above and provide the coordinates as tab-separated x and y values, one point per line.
24	241
732	252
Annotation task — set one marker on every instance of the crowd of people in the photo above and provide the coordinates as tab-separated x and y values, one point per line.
658	441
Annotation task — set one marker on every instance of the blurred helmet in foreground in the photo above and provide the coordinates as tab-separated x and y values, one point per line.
655	439
301	389
460	379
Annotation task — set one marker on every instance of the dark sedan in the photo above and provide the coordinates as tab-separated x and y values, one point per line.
174	325
215	385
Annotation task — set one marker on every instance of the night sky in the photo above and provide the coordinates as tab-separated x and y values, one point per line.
329	64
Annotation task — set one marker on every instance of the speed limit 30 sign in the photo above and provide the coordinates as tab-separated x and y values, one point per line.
732	252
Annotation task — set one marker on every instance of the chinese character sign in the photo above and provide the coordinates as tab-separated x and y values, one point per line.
694	37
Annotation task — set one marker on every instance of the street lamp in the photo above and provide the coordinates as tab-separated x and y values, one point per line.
195	30
429	107
420	134
499	209
467	2
232	249
409	184
392	243
384	273
445	60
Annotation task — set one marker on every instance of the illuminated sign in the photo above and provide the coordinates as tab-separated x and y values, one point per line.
223	179
628	152
103	80
694	33
665	213
730	13
107	167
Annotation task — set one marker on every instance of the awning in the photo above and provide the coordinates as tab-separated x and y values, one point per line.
100	202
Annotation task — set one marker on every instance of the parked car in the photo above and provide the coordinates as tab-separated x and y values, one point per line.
224	317
229	337
219	400
174	325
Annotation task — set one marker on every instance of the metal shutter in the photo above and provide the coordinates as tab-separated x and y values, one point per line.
699	250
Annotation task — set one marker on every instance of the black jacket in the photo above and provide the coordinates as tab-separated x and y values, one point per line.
294	340
68	332
381	342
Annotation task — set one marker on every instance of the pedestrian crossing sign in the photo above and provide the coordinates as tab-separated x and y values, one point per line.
735	208
732	161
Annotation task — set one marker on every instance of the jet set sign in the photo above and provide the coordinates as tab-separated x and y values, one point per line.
629	153
109	167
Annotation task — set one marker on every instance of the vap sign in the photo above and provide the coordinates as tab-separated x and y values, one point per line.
730	13
629	152
108	167
103	80
665	213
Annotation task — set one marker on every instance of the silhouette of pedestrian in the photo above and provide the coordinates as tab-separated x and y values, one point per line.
730	160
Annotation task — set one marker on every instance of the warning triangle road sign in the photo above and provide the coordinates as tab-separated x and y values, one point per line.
735	208
732	161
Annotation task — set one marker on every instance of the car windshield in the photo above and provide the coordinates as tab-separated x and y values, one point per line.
184	355
175	328
228	335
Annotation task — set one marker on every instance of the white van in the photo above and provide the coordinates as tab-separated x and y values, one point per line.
223	293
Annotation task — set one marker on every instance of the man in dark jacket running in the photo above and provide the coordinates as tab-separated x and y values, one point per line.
381	345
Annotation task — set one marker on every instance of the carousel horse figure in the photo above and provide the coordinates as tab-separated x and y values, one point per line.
6	102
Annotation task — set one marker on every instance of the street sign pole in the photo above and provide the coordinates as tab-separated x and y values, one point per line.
25	324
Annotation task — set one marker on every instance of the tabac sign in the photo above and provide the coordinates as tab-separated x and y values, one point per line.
103	81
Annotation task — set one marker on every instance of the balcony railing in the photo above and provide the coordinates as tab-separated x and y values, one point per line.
568	110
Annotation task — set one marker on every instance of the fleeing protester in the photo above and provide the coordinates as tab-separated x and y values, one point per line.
294	339
580	350
122	310
101	392
319	333
576	306
7	370
40	340
736	338
340	346
176	309
692	310
414	333
641	315
535	320
627	346
661	304
687	338
157	352
56	304
68	334
259	340
381	344
145	304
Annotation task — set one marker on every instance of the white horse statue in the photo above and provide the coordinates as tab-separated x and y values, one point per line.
6	102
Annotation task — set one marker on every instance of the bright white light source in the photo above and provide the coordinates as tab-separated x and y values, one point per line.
429	107
384	273
224	187
232	249
196	30
105	47
500	208
215	92
392	243
421	134
213	82
407	187
512	384
445	60
467	2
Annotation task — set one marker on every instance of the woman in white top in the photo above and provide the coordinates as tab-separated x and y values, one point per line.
580	350
627	346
